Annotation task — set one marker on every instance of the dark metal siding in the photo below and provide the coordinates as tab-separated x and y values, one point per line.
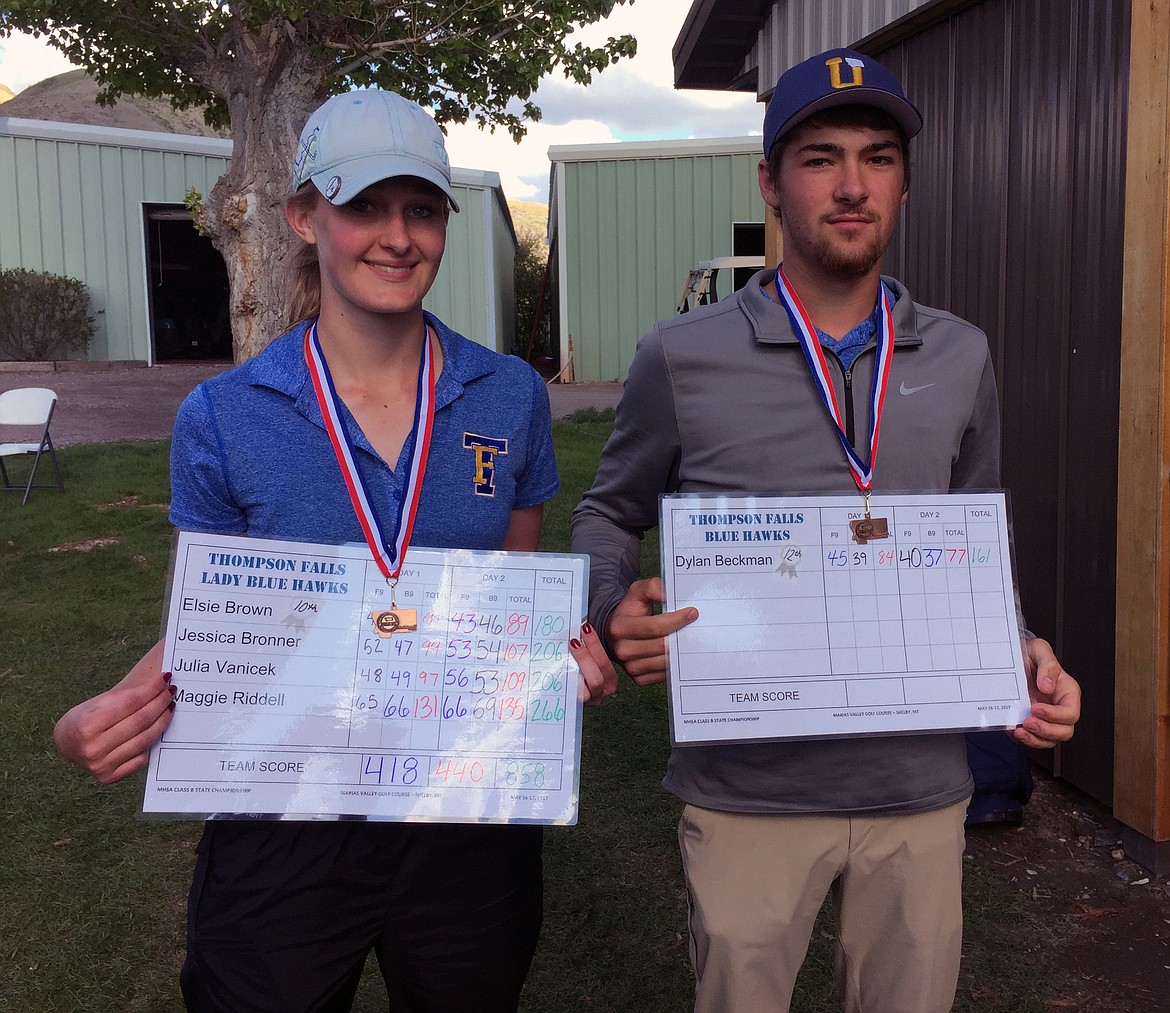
1015	222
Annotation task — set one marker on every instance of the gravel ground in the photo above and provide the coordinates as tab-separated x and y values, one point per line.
138	403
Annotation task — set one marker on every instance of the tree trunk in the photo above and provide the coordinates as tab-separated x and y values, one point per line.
272	82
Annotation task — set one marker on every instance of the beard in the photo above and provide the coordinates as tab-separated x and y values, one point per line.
845	258
850	260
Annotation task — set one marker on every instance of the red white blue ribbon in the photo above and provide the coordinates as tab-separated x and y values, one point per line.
389	551
814	355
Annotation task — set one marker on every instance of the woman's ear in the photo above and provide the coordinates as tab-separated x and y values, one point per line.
300	220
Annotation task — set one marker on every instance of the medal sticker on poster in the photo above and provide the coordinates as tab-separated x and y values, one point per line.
391	621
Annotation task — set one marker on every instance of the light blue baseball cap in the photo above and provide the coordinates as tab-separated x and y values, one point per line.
359	138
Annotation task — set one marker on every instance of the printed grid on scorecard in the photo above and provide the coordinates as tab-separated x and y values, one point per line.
292	697
804	631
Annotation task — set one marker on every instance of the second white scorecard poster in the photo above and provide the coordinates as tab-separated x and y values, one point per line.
804	631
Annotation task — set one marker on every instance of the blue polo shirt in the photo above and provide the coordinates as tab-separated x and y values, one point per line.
251	454
851	345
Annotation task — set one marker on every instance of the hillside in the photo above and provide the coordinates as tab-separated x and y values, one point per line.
529	216
71	98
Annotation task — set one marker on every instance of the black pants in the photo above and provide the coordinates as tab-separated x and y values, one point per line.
281	916
1002	774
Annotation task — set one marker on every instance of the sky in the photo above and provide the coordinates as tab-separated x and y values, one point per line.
633	100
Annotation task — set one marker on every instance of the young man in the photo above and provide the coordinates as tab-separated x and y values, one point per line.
721	400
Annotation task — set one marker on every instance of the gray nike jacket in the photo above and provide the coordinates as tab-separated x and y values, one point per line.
720	401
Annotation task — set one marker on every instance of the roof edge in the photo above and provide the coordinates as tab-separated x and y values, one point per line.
122	137
612	151
183	144
715	44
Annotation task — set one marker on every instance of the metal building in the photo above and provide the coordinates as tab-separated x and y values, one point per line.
628	220
106	206
1039	207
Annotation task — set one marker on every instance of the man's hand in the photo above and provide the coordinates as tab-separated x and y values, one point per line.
637	637
1055	695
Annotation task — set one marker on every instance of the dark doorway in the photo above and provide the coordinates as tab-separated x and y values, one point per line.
188	288
747	240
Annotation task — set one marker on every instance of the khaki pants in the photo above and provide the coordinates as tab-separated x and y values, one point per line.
755	885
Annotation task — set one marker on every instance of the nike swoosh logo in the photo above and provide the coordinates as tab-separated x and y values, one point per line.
907	391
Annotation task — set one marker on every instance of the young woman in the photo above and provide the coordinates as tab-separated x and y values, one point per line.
282	915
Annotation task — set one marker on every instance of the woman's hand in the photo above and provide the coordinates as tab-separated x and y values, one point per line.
110	735
598	676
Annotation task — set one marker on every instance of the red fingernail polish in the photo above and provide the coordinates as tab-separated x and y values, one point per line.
171	707
586	628
166	676
574	642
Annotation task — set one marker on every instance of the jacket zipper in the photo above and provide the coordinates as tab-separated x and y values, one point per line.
847	375
849	407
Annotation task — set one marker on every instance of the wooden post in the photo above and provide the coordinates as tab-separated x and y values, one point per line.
1141	779
773	239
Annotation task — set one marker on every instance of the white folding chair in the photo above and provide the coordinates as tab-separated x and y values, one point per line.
29	406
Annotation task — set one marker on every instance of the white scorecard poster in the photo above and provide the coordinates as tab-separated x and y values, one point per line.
303	691
814	622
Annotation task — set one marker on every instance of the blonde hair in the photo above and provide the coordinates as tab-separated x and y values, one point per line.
303	295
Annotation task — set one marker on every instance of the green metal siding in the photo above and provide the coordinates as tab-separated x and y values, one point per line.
631	228
460	290
75	207
504	256
473	290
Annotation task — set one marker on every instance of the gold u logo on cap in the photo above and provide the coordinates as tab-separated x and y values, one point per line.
834	66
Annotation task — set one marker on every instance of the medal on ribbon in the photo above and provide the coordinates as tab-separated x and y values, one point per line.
387	546
864	528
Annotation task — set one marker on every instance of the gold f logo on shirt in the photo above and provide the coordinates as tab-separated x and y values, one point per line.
485	449
834	65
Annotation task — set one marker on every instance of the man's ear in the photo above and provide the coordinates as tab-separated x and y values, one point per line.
767	185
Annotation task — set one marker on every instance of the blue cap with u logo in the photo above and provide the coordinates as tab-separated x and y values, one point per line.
835	78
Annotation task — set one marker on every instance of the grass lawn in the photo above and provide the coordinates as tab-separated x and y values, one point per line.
92	897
